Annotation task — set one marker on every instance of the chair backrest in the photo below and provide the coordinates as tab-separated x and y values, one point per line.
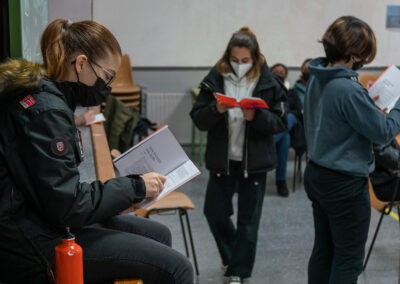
367	79
124	77
375	202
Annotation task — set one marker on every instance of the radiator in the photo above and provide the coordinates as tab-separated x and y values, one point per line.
172	109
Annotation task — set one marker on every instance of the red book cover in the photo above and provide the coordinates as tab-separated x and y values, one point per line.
247	103
225	100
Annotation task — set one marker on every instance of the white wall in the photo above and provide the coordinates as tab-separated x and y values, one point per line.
195	33
75	10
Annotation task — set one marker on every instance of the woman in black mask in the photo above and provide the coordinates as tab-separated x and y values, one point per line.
40	192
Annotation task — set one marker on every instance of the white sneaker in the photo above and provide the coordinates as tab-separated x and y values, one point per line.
234	280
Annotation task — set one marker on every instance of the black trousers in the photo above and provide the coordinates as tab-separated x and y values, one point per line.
126	247
236	245
342	214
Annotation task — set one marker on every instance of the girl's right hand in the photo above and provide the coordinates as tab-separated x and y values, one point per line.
154	183
375	99
222	108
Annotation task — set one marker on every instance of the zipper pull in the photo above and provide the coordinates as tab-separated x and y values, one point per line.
246	174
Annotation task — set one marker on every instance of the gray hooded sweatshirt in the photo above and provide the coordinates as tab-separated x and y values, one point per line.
342	122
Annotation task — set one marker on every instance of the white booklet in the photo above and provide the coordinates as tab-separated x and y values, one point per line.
161	153
387	86
97	118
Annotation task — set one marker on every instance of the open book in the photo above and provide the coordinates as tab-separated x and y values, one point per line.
161	153
247	103
387	86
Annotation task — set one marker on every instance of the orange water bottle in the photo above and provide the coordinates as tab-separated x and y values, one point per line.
69	264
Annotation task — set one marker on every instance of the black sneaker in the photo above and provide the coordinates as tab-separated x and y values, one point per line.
282	188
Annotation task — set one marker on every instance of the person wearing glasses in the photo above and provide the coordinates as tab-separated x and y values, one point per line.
40	191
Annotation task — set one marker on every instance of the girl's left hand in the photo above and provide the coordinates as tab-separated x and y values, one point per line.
249	114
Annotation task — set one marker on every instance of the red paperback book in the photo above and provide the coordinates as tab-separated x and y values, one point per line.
247	103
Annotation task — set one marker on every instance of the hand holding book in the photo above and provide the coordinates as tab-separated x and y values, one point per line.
154	184
247	103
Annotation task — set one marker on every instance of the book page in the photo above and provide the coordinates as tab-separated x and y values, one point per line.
175	179
387	87
160	153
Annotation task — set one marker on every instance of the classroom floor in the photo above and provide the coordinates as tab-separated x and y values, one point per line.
285	238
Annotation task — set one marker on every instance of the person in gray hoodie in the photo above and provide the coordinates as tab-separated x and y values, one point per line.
341	125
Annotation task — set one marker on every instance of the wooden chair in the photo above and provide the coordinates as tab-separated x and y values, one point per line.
104	167
132	281
174	202
123	87
195	93
385	207
367	79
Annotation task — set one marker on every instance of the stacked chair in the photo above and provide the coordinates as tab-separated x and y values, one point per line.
123	87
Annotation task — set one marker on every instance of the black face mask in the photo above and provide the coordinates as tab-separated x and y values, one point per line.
92	95
305	76
357	65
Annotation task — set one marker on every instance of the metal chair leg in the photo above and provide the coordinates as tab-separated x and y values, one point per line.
183	232
300	171
398	213
191	243
294	174
373	239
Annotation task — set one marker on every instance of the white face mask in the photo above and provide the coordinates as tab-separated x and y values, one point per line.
241	69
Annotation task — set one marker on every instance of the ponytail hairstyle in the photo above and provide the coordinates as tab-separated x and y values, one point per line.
243	38
62	39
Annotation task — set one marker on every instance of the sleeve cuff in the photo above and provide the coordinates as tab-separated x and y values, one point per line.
139	188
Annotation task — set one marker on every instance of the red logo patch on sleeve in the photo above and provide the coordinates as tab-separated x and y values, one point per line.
27	102
59	146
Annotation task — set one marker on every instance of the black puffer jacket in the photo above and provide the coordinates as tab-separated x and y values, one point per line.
387	159
40	192
259	154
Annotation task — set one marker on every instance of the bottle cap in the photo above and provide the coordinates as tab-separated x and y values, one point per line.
68	235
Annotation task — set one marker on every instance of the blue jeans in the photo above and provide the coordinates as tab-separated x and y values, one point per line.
282	144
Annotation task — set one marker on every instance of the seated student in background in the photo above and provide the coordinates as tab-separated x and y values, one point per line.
281	71
240	148
341	125
301	84
40	191
283	139
384	179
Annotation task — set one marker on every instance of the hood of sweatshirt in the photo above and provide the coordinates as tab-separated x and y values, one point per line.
318	69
